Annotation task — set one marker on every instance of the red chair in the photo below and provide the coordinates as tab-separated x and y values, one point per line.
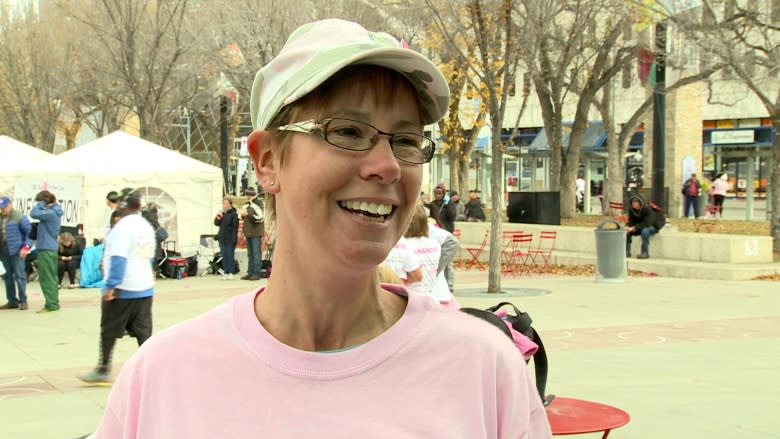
517	257
544	249
506	238
617	211
476	252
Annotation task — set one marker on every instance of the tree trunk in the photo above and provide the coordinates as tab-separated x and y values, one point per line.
453	156
496	204
464	175
774	183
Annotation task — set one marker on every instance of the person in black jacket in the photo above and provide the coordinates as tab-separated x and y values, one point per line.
69	258
642	221
227	220
445	210
475	211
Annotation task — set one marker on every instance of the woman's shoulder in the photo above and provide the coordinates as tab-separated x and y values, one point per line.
471	334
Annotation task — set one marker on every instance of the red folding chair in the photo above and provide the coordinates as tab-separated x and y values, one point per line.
543	250
617	211
476	252
516	259
506	238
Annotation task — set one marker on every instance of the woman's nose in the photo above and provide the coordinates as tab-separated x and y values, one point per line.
380	162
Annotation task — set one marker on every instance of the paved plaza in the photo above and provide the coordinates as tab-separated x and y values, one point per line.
686	358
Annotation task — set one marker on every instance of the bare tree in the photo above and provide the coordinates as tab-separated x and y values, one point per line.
746	38
32	64
573	50
143	49
490	27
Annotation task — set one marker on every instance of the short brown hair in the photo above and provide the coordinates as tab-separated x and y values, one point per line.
418	228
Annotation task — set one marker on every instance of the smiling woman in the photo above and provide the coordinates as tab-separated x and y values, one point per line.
299	356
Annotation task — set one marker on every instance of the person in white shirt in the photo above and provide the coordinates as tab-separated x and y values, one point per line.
404	263
580	193
128	283
428	251
449	249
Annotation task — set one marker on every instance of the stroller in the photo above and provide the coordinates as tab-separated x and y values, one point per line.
209	256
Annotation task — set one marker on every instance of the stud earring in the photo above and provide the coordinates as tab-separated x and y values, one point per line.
273	182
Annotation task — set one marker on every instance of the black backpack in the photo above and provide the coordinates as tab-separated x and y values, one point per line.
520	322
660	215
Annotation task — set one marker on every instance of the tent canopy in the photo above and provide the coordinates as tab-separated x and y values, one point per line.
16	156
187	191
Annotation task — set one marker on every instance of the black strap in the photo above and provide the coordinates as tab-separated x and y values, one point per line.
521	322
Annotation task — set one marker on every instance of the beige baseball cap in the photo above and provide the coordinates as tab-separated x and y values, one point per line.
316	51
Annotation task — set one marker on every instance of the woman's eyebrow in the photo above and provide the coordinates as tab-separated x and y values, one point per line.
364	117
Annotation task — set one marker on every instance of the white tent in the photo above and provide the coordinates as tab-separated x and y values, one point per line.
17	157
187	191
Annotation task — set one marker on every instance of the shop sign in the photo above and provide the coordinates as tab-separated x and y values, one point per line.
732	137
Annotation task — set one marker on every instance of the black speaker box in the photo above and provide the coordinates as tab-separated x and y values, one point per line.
534	208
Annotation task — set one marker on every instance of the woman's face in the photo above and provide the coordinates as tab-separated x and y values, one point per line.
333	201
226	204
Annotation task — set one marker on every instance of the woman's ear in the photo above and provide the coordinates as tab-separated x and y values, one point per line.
259	145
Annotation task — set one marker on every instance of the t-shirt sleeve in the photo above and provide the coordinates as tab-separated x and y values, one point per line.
411	261
119	242
521	413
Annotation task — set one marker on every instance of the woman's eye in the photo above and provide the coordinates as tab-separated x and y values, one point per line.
345	131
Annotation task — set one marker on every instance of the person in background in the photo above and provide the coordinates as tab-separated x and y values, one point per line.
128	284
49	214
580	194
112	201
474	211
69	259
446	211
642	221
428	251
718	190
404	263
227	236
15	244
449	250
325	350
254	228
460	208
690	192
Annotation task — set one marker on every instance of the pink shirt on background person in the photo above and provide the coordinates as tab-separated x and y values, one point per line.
436	373
719	187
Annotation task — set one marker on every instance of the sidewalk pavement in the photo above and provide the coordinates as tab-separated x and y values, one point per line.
686	358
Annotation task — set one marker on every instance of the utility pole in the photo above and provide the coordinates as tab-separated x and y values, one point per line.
659	116
223	141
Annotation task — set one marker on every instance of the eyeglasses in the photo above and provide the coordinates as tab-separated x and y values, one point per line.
354	135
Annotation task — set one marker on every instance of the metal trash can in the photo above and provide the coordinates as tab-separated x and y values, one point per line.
611	252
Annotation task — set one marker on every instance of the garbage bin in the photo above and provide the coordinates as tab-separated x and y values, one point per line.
610	252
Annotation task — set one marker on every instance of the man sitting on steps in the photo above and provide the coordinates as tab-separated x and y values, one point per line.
643	221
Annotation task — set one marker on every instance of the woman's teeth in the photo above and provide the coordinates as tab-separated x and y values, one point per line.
374	211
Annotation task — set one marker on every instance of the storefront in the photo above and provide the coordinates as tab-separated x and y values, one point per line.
743	153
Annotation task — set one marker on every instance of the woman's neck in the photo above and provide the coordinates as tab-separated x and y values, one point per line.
328	312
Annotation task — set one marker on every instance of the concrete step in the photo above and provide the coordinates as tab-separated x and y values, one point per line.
679	268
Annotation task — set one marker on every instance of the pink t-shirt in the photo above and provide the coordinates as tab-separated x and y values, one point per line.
436	373
719	187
